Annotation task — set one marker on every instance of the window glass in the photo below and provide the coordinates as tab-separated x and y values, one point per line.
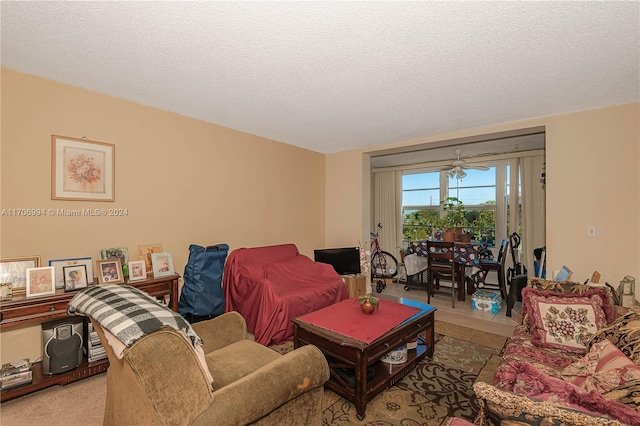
416	224
420	204
422	196
421	189
478	187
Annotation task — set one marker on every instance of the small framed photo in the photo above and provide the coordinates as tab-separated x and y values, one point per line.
162	264
82	169
14	270
75	277
121	253
109	271
59	264
137	270
145	251
6	291
41	281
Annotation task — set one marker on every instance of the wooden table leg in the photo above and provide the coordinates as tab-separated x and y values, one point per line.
462	288
361	386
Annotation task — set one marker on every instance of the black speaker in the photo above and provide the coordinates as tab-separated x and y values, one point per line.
62	345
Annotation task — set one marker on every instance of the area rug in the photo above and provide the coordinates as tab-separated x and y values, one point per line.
434	391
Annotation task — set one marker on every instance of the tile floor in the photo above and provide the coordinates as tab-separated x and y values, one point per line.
462	314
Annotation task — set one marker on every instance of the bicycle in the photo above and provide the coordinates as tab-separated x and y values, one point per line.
383	264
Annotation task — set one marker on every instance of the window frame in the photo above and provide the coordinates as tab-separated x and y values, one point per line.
501	197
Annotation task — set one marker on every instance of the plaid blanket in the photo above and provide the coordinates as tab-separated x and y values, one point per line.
127	312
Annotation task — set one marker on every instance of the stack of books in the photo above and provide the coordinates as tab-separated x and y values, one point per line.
93	347
16	373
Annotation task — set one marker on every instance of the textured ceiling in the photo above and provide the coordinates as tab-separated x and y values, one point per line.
332	76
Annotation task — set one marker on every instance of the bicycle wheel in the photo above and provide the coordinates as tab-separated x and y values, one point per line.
384	265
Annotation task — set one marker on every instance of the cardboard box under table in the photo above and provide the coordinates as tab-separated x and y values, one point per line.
356	284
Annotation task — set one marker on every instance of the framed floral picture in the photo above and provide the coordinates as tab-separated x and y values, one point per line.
41	281
82	169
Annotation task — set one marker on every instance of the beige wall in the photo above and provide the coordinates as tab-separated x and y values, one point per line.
593	164
186	181
182	180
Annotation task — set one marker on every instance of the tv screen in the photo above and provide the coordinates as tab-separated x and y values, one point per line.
345	260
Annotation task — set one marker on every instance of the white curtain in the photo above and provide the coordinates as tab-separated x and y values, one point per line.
533	209
387	209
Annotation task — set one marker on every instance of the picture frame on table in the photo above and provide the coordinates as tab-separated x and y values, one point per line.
6	291
145	251
162	264
82	169
59	265
75	277
41	281
109	271
14	270
137	270
121	253
563	274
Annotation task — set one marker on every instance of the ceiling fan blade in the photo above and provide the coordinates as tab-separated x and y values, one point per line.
476	167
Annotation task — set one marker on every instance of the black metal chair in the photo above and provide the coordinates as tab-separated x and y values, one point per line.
440	255
498	266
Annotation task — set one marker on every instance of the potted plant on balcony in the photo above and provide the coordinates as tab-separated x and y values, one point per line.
454	218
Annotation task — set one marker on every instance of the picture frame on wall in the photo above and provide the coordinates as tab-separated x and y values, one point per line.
82	169
137	270
14	270
75	277
41	281
144	253
109	271
162	264
59	264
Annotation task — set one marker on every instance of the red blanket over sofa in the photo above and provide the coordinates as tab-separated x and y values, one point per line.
269	286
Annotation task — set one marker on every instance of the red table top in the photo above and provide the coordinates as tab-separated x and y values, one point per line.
347	318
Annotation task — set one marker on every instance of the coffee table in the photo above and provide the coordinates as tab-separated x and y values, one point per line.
346	354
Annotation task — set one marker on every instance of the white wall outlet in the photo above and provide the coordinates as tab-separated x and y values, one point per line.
591	231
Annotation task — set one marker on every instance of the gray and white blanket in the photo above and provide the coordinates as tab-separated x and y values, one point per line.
127	312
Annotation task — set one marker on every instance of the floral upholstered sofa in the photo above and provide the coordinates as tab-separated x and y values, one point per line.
572	361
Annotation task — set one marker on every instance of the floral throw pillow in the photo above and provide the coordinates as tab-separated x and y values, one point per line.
564	320
604	368
564	287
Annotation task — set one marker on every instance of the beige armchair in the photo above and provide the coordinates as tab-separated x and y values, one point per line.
160	381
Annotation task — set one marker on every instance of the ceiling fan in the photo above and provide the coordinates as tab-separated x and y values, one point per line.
457	167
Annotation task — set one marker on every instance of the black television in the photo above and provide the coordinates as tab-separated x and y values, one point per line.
345	260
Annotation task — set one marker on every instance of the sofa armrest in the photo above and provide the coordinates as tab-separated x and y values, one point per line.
221	331
497	406
267	388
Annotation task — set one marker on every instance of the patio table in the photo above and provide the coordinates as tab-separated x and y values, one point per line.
466	255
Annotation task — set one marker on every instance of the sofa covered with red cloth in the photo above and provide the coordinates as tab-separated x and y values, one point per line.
269	286
570	362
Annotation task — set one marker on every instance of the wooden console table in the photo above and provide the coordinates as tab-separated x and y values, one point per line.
22	311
